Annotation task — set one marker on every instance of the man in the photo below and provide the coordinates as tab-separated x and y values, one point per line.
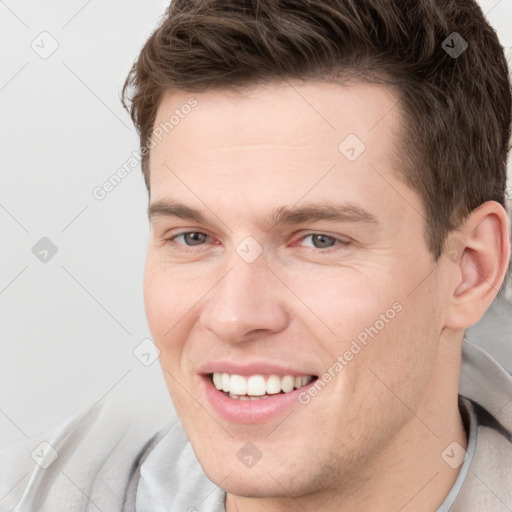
326	195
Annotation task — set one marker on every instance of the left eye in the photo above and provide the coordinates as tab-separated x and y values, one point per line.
191	238
319	241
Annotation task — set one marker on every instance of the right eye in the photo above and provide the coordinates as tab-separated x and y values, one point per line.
190	238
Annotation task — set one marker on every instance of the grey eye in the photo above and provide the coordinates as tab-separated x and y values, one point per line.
322	241
194	238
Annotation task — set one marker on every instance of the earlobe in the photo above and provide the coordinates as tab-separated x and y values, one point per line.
481	266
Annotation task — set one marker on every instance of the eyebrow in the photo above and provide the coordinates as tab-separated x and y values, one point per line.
285	215
345	212
171	208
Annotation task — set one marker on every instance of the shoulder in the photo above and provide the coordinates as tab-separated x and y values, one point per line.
488	484
487	381
90	458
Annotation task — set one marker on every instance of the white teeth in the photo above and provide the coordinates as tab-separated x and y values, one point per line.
273	385
238	385
257	386
225	382
287	383
217	380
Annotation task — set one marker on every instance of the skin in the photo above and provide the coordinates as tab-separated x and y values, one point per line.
372	438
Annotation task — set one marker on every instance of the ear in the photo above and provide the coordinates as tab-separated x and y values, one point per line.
479	255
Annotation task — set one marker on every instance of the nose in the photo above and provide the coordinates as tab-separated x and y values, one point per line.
246	303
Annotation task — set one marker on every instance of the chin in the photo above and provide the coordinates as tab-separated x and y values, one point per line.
252	486
262	481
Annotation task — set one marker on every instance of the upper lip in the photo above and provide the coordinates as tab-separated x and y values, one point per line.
253	368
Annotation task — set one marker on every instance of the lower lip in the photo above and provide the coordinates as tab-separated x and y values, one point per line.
250	411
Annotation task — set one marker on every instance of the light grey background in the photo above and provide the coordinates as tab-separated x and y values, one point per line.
70	325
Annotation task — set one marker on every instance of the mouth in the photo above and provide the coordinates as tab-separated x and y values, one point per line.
258	387
254	393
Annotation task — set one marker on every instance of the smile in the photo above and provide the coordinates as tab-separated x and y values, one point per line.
257	387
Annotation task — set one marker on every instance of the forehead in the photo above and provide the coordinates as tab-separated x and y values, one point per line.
315	113
289	140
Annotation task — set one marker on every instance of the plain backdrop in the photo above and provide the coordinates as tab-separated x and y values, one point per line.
72	311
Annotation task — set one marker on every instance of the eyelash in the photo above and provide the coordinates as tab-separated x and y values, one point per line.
302	238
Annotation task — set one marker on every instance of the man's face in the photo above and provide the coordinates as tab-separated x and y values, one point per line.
283	250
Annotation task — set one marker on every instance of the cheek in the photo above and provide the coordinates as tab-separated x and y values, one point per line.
158	301
345	302
168	322
372	324
173	300
400	359
169	296
167	311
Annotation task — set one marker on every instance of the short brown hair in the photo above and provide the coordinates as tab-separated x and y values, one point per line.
456	106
